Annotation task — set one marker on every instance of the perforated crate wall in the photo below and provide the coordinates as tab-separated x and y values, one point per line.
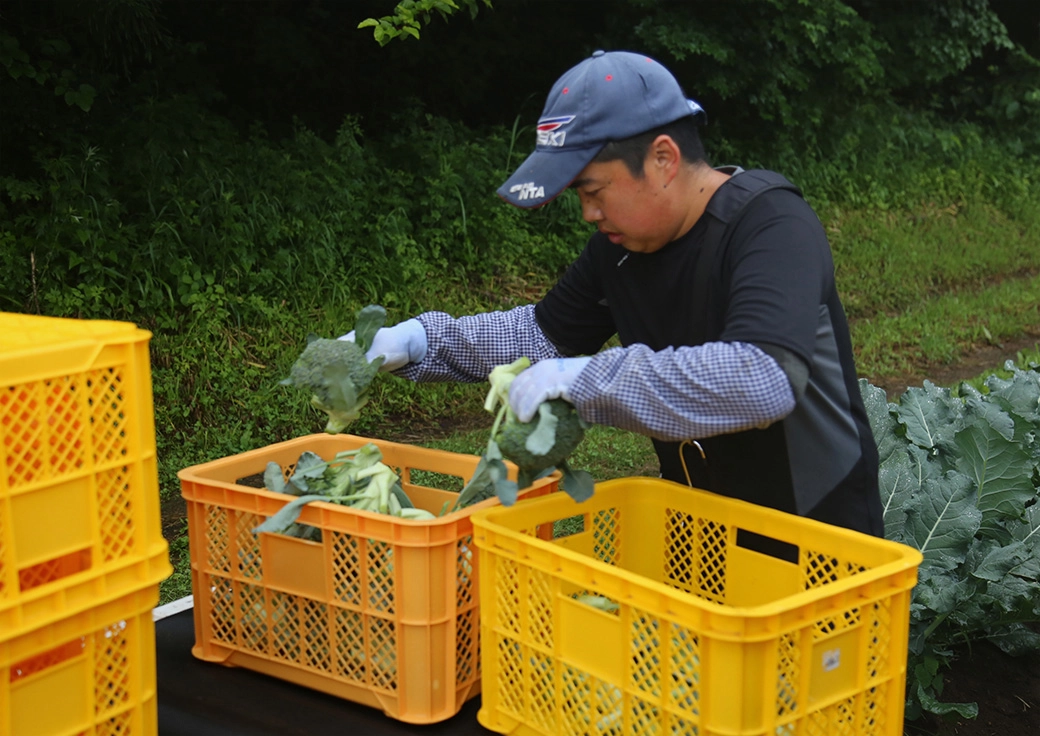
91	673
79	495
382	611
714	617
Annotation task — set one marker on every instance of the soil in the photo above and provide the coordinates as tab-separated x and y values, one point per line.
1006	689
981	359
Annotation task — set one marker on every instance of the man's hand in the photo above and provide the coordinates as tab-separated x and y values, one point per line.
548	379
401	344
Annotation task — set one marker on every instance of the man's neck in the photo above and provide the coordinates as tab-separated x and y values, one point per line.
700	186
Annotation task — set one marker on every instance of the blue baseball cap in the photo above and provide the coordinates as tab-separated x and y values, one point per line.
608	97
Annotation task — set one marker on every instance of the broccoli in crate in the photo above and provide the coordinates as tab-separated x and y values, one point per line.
355	478
537	447
337	373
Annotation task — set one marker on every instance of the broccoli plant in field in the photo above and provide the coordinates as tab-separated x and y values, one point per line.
337	372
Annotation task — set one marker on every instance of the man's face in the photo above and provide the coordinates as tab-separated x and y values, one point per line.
632	212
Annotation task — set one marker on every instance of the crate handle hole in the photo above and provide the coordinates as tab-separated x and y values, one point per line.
53	569
768	546
47	660
570	526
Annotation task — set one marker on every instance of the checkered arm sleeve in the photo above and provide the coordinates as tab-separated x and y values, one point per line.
467	348
683	393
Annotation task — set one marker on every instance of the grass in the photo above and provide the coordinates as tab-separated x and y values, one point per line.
939	330
890	262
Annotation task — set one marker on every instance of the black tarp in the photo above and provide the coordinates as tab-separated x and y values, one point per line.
197	698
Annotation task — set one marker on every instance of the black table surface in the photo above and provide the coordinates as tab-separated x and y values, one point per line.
199	698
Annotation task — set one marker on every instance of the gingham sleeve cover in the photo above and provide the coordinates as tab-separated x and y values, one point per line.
467	348
683	393
673	394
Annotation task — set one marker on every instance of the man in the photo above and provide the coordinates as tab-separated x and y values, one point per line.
735	355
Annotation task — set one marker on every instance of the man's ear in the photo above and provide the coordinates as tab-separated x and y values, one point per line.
663	158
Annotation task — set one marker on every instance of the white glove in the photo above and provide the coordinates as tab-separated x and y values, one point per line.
400	345
547	379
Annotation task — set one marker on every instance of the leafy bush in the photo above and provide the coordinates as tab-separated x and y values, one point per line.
960	481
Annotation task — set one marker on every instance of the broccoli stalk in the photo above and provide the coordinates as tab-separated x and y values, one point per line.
537	447
337	372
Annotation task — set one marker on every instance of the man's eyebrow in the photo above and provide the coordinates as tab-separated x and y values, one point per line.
578	183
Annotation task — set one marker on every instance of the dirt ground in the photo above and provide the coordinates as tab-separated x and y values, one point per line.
980	360
1007	690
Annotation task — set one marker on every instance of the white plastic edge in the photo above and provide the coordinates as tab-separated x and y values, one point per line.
173	607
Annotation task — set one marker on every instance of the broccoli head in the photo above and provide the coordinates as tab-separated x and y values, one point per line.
337	372
523	443
536	447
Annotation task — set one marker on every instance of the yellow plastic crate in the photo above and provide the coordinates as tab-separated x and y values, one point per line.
731	619
383	611
90	673
79	492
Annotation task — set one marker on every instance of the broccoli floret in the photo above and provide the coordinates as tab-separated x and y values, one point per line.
337	372
519	442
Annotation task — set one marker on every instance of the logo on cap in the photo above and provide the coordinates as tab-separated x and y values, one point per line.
549	133
527	190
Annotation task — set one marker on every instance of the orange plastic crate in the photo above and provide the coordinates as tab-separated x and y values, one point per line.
79	491
727	619
90	673
383	611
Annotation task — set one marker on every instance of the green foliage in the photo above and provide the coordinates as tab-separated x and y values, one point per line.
960	481
931	42
19	65
200	213
833	60
814	50
410	15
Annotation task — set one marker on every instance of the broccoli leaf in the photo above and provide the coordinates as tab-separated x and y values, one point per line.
357	478
274	480
578	484
501	378
480	486
490	478
402	497
288	514
506	490
309	467
543	438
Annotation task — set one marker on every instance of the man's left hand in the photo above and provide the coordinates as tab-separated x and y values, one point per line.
547	379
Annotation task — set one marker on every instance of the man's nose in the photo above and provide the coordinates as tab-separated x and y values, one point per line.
591	212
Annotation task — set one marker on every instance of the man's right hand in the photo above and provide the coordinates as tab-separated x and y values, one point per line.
400	345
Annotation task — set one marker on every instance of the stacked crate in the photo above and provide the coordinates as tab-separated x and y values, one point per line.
81	547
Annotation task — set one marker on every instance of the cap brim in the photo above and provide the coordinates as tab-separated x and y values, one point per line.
544	175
